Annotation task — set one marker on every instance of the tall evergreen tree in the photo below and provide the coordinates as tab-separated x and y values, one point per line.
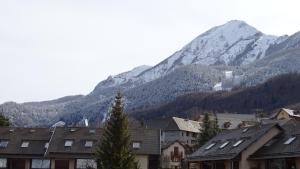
114	151
209	129
215	127
3	121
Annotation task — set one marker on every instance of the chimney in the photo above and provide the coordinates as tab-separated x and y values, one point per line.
86	122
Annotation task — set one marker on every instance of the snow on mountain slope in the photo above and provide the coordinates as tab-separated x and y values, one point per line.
234	43
122	78
250	56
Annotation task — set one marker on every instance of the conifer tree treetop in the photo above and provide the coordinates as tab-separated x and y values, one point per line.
115	151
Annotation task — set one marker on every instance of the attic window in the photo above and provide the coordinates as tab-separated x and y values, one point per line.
3	143
224	144
289	141
238	143
88	144
25	144
136	145
68	143
210	146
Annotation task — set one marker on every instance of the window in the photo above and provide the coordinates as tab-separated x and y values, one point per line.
290	140
88	144
25	144
3	143
68	143
3	162
238	143
224	144
210	146
40	163
85	163
92	131
136	145
176	151
72	129
46	145
245	130
187	133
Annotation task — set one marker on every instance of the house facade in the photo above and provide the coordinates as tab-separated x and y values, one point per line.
266	146
172	155
68	148
176	129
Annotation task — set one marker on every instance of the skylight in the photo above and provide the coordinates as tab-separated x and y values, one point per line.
245	130
3	143
72	129
224	144
88	144
210	146
238	143
46	145
25	144
68	143
290	140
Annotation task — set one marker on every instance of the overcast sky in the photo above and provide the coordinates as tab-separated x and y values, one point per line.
54	48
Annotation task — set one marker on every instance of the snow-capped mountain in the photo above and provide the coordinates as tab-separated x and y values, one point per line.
201	65
234	43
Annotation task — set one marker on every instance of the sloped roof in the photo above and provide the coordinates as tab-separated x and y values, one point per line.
186	125
37	138
276	147
232	136
234	119
149	141
174	123
159	124
290	112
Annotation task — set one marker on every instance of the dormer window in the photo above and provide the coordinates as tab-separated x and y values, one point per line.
88	144
237	143
3	143
68	143
224	144
136	145
289	141
210	146
25	144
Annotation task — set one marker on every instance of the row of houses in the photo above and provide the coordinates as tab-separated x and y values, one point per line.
68	148
163	143
272	144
